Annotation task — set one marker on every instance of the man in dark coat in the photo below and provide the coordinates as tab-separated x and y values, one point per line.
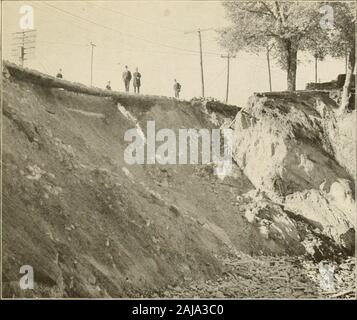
136	81
127	78
59	74
177	89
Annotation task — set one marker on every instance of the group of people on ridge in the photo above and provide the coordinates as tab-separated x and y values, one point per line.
136	77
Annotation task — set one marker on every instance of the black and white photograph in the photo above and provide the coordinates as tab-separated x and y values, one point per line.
169	150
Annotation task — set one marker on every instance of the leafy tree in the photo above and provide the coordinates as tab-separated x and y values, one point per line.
286	24
338	40
318	44
342	41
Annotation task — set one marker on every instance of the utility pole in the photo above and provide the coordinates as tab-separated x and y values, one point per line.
91	63
199	31
23	44
268	62
315	68
201	63
346	58
228	57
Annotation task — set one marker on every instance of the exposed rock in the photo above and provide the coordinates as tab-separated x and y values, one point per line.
282	142
276	223
332	217
342	135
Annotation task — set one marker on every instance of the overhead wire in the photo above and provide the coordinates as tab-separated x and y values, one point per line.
136	18
122	33
178	50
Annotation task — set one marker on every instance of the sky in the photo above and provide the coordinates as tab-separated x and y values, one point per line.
151	35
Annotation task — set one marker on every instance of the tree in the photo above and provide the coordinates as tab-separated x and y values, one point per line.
286	24
343	41
318	44
336	38
318	56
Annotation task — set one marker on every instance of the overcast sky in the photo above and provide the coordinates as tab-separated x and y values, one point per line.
149	35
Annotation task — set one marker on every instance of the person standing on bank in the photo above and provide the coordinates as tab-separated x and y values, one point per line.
127	78
136	81
59	74
177	89
108	86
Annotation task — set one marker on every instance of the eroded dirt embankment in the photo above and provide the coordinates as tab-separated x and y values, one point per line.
93	226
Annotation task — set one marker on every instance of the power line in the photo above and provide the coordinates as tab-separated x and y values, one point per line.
42	8
45	10
64	43
217	76
42	65
121	33
46	63
82	28
112	48
136	18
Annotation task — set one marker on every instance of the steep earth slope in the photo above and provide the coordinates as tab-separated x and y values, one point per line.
93	226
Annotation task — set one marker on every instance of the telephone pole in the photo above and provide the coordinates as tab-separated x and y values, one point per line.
268	63
346	57
315	56
199	31
228	57
201	63
91	63
23	44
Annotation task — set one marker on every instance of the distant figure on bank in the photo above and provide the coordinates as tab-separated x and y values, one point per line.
59	74
177	89
136	81
127	78
108	86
